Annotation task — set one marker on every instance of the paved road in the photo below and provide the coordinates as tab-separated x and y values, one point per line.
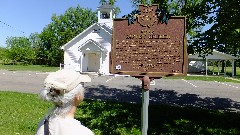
213	95
22	81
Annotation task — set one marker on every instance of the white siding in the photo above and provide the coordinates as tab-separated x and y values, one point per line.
73	57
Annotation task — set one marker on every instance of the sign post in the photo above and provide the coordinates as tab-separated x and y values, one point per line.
145	104
144	111
148	44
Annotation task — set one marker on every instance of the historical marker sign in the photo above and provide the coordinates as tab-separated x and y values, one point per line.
147	46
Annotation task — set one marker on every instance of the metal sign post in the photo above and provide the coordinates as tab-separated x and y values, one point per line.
145	103
144	111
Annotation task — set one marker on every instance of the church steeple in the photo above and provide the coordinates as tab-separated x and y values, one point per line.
105	13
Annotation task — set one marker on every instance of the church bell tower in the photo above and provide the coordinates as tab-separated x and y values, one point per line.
105	13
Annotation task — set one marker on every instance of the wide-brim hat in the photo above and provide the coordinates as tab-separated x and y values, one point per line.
65	80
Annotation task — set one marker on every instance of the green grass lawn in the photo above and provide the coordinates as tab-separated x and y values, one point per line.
20	114
207	78
41	68
228	71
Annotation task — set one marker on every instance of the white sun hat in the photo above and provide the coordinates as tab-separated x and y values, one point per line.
65	80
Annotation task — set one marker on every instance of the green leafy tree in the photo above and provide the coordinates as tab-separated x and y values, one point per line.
19	49
35	42
223	35
62	29
2	54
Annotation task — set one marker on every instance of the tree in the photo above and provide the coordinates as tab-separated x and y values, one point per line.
19	49
223	35
2	53
34	40
61	30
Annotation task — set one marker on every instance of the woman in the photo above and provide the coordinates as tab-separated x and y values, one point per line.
65	89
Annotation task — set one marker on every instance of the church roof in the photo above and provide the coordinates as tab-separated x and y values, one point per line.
106	6
216	55
102	26
95	43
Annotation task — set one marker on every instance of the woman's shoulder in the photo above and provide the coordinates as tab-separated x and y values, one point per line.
85	131
75	126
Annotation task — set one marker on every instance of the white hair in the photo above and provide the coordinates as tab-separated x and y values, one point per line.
62	101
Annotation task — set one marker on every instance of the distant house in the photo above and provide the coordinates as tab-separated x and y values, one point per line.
89	51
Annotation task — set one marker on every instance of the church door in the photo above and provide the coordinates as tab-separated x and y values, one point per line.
93	62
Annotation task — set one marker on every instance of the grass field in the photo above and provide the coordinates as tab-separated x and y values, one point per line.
208	78
20	114
41	68
228	71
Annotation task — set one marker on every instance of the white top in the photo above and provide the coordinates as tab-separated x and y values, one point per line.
64	126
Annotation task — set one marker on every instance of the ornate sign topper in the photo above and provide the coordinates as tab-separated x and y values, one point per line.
149	42
148	17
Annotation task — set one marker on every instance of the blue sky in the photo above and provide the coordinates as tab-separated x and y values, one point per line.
23	17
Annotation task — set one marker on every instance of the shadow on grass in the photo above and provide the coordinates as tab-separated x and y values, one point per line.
169	112
159	96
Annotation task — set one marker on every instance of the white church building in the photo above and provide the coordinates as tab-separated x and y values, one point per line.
89	51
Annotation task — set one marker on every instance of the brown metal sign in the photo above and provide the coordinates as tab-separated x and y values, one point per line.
149	47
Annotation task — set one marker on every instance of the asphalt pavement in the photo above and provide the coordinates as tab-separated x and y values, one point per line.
204	94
